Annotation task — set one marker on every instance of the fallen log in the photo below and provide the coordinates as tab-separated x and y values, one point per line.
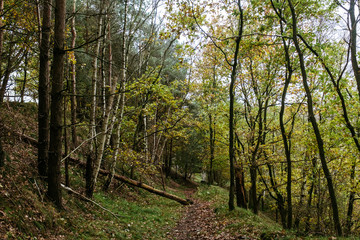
138	184
34	142
23	137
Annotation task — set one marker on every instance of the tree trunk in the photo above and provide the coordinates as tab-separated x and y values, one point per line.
231	110
212	149
240	188
89	168
73	79
55	150
1	36
353	44
350	209
169	159
93	155
66	147
43	90
22	91
300	207
315	125
6	75
283	132
107	105
253	196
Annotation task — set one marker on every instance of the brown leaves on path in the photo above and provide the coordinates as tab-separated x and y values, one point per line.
200	222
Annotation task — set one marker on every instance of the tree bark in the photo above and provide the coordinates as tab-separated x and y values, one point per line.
212	149
90	186
6	75
287	146
73	80
120	103
240	188
43	90
22	91
350	209
57	73
353	44
231	110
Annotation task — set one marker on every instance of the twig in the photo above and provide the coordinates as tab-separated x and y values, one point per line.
89	200
80	146
37	186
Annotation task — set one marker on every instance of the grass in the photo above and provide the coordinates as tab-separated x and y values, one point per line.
239	221
26	214
144	216
141	215
243	222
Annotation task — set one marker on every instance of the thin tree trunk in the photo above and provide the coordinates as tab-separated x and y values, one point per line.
66	148
90	186
104	129
55	149
120	103
350	209
43	90
353	44
283	132
302	195
22	92
315	125
231	111
73	80
6	76
94	81
212	148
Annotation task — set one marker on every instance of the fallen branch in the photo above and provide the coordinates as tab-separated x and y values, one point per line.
23	137
124	179
89	200
138	184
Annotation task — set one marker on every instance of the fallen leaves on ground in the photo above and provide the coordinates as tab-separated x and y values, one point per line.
200	222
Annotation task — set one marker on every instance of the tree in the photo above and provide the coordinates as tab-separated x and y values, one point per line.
57	78
44	90
314	122
234	66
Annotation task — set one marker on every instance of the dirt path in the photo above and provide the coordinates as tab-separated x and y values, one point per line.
199	222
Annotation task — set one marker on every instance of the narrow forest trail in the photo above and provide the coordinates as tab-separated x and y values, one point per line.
199	222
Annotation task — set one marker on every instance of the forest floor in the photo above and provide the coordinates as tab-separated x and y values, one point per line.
25	213
209	219
199	222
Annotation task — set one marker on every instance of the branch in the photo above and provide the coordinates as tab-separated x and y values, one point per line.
89	200
80	146
84	44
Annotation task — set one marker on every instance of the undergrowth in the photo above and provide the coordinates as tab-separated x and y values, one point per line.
25	213
135	214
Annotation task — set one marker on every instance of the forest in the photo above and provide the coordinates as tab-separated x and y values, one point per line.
257	102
